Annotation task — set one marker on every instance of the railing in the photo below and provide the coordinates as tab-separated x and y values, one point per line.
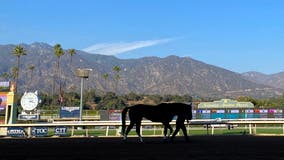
209	124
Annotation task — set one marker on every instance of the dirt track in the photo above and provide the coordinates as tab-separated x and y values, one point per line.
199	147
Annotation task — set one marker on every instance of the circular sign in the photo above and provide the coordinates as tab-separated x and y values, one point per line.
29	101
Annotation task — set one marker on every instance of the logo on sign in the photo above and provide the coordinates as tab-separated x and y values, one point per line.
39	131
28	117
60	131
16	131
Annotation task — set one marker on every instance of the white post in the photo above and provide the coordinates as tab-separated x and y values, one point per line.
212	129
72	131
87	132
81	99
107	130
141	130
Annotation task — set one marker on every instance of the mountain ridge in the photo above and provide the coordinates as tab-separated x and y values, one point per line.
148	75
275	80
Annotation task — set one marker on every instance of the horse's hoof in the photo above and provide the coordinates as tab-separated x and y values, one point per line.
186	139
166	141
141	142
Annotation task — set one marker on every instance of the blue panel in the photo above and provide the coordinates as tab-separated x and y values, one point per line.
217	115
232	116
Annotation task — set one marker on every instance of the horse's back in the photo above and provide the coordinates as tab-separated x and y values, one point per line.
154	113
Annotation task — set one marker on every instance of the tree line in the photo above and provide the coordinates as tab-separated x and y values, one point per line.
110	100
103	101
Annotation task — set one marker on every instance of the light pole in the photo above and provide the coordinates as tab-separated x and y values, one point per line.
82	73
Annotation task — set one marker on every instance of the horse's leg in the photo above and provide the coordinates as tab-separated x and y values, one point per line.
128	130
179	124
171	130
184	132
167	126
165	130
138	125
175	132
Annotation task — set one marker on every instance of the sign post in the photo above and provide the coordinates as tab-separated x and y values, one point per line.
82	73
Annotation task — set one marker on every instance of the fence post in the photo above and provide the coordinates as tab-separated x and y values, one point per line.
87	131
107	130
72	131
29	132
212	131
254	129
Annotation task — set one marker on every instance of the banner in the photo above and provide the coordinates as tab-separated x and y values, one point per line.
60	131
27	117
16	132
206	111
115	115
69	112
39	131
220	111
234	111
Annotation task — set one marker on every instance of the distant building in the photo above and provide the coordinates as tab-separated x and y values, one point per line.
225	104
225	108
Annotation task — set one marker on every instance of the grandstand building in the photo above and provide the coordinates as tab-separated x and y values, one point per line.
225	109
232	109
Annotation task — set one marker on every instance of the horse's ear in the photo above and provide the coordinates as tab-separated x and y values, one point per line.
190	104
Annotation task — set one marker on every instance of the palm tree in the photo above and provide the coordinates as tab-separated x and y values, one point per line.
71	52
14	71
5	75
116	69
106	75
18	52
58	51
31	68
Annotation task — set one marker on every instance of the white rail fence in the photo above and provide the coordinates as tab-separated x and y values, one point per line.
209	125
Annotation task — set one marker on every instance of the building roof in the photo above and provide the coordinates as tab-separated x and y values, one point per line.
225	103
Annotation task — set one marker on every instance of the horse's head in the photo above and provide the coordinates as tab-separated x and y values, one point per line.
187	111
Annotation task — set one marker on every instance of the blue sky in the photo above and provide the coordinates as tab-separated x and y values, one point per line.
239	35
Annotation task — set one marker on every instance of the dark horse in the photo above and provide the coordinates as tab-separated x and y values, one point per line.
163	112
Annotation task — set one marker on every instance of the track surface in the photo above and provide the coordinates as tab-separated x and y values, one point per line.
199	147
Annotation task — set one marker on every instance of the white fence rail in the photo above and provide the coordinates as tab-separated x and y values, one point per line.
210	125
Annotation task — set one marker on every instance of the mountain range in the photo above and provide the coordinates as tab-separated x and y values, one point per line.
148	75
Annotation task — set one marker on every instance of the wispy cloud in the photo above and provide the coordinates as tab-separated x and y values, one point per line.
121	47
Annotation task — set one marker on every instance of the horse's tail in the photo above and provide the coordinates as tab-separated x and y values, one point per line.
123	118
